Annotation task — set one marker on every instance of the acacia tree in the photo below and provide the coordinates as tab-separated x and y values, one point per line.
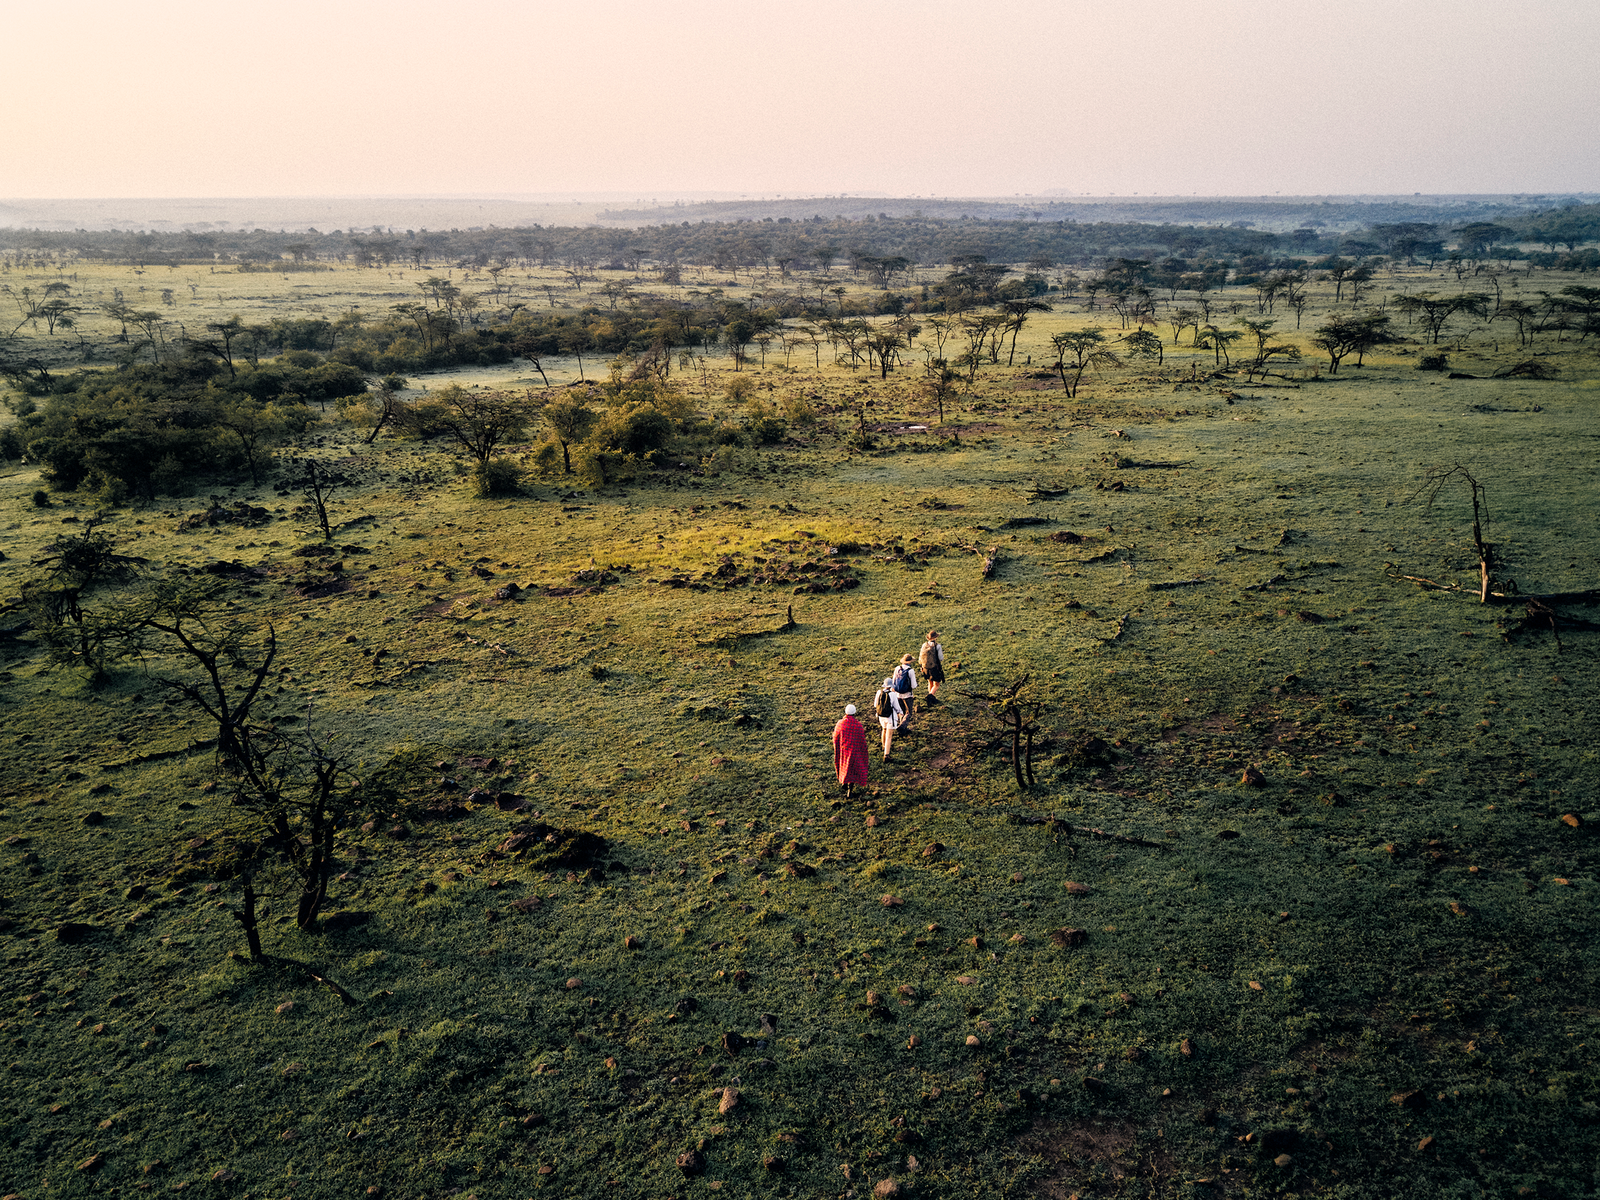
1346	335
569	421
1434	310
1017	314
1141	343
1078	351
481	421
939	381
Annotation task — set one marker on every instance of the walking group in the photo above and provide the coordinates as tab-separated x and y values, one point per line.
894	705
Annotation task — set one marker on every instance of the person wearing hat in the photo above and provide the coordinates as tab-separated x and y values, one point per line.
932	660
849	751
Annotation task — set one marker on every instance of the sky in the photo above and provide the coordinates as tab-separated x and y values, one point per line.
674	97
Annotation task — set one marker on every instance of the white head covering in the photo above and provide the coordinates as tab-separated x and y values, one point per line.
849	710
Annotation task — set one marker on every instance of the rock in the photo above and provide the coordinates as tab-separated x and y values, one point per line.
294	1068
223	1175
532	1121
1572	819
975	942
574	982
1413	1101
906	990
93	817
729	1101
1459	908
630	942
965	980
1065	937
972	1040
886	1187
1017	877
733	1043
399	832
1254	986
874	998
1425	1143
73	932
1283	1160
769	1025
872	821
288	1135
93	1163
933	850
1253	778
691	1163
891	901
286	1006
1076	889
1186	1048
772	1163
913	1042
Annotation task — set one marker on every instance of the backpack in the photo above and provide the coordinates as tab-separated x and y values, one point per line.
882	705
928	652
902	680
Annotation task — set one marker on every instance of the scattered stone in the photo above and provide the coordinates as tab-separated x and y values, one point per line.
1076	889
1414	1100
772	1162
886	1187
874	998
733	1042
1016	878
1252	777
630	942
73	932
1186	1048
913	1042
1425	1143
294	1068
93	817
933	850
1572	819
891	901
1066	937
1283	1160
691	1162
1459	908
1254	986
972	1039
286	1006
223	1175
93	1163
906	990
574	982
965	980
288	1135
872	821
729	1101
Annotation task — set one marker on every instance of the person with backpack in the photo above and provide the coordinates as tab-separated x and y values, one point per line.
892	711
904	683
931	659
849	751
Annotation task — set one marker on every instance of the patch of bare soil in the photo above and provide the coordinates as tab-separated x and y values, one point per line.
1095	1156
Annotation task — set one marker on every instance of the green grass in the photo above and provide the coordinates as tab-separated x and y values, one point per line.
1403	740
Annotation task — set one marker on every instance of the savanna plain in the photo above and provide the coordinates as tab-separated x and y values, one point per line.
1290	891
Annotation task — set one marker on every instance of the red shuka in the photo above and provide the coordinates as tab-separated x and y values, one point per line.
850	751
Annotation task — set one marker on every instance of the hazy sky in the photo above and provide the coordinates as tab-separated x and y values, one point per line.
1231	97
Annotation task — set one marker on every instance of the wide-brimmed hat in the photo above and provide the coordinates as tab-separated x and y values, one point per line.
906	660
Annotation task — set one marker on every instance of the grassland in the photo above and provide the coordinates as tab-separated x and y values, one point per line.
1373	974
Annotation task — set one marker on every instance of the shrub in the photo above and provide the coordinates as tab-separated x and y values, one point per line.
1434	362
41	498
496	477
598	464
547	458
766	430
727	435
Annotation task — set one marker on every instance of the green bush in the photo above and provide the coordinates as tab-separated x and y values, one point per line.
496	477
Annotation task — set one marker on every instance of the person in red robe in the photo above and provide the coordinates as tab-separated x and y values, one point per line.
850	750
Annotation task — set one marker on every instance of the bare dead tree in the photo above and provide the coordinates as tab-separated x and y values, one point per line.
1018	714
